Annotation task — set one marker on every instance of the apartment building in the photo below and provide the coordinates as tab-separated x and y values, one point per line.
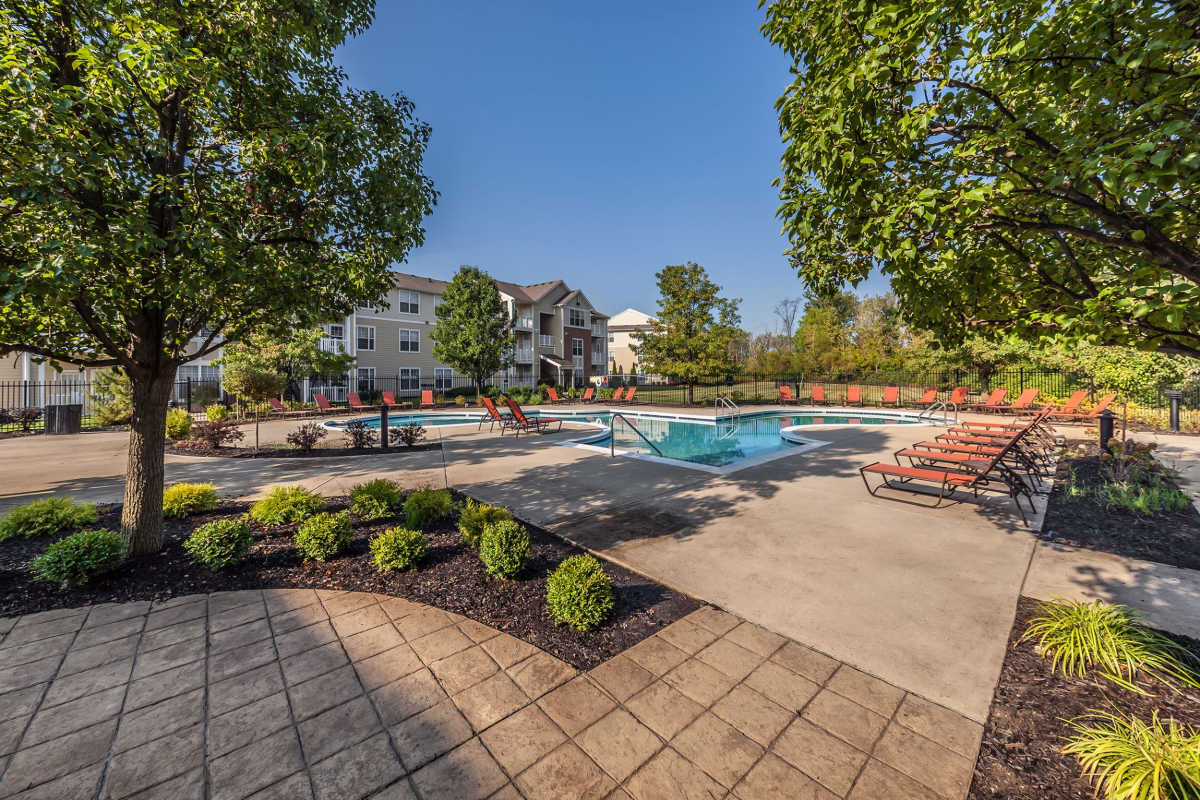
621	328
560	338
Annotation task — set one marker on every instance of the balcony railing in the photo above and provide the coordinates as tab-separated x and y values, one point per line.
598	330
327	345
523	355
523	323
545	340
598	357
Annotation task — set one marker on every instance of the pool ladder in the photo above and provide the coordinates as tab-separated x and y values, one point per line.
612	439
942	406
724	401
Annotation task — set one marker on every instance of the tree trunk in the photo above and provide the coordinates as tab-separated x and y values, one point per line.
141	517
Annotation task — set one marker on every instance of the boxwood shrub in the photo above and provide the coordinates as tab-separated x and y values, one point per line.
397	548
375	499
285	504
77	559
323	536
474	517
425	508
504	548
579	593
179	423
220	543
51	515
182	499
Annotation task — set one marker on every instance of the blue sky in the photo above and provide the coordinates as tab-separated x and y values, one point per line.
593	143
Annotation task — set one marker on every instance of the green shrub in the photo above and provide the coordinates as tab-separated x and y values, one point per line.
216	412
1142	500
425	508
579	593
112	398
1080	637
375	499
322	537
181	499
179	423
397	548
77	559
220	543
1128	759
504	548
286	504
460	400
51	515
474	517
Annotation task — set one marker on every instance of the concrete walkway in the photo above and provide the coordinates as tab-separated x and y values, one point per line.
295	693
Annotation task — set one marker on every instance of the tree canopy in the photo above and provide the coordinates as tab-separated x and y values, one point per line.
1012	166
178	174
474	331
693	332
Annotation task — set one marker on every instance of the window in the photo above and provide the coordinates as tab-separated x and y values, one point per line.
335	331
410	341
611	338
410	379
366	337
577	347
366	379
443	379
409	302
578	377
575	317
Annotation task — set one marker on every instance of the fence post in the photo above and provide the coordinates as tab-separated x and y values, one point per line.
1021	372
189	395
1173	397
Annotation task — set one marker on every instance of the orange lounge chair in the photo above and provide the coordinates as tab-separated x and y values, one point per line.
356	402
283	411
629	396
426	398
854	396
323	404
958	395
523	423
495	417
785	396
994	402
1076	416
818	396
389	398
588	394
1070	407
554	398
1022	403
891	396
929	397
616	395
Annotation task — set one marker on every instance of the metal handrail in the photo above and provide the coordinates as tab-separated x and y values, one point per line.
612	439
941	405
723	400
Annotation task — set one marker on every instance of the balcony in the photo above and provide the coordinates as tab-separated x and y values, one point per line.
598	357
545	340
523	355
599	331
523	323
328	345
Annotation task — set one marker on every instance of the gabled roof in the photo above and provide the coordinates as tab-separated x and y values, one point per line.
576	294
418	283
555	292
630	317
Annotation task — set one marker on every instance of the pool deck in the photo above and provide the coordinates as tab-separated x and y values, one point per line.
923	598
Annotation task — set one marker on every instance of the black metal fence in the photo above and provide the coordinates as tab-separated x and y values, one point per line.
22	403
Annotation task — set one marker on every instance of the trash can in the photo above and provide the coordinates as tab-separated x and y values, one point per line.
62	419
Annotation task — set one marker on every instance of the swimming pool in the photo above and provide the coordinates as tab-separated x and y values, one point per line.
721	445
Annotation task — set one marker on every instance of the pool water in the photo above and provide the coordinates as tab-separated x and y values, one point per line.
752	436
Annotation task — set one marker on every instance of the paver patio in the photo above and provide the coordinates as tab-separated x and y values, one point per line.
296	693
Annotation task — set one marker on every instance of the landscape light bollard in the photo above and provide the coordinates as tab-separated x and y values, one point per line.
383	426
1173	398
1107	418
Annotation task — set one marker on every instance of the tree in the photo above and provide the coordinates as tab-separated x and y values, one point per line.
786	309
252	376
111	397
691	335
474	331
297	354
1013	167
176	175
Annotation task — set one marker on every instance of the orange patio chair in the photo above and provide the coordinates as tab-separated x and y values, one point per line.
818	395
1022	403
521	422
426	398
356	402
389	398
785	396
854	396
616	396
891	396
589	394
554	398
994	402
958	395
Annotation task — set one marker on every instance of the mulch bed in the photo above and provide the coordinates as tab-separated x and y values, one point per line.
1171	537
198	449
1020	758
450	577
